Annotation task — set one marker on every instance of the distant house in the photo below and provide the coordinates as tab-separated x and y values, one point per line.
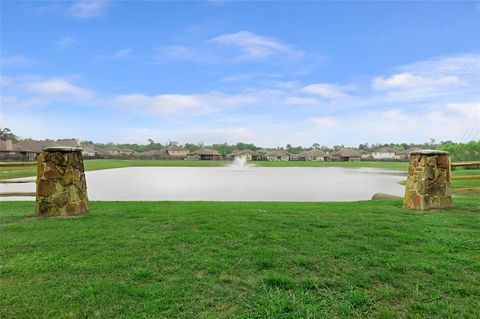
250	155
406	153
312	155
385	153
277	155
90	150
205	154
28	149
11	152
111	151
71	142
176	152
366	156
154	154
346	154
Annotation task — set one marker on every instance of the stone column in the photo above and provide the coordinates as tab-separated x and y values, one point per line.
428	183
61	184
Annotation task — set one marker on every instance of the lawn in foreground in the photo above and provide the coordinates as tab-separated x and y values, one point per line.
250	260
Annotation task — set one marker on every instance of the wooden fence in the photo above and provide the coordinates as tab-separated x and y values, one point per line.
466	177
18	164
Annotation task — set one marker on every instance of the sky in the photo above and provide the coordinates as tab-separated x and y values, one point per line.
269	73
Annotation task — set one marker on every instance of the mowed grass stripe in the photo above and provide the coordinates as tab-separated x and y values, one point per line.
245	260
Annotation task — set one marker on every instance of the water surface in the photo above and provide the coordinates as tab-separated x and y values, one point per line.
231	184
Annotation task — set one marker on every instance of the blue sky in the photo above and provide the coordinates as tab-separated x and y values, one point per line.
270	73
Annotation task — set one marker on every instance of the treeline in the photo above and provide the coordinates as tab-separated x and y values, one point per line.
459	151
468	151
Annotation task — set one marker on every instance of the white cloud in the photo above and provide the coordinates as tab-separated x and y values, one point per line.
117	55
326	90
470	110
301	101
256	47
324	122
15	59
182	103
166	103
86	9
409	80
59	87
182	52
66	43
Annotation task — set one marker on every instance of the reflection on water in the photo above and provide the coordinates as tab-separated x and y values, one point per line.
227	184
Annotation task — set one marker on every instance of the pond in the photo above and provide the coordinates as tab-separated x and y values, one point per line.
236	184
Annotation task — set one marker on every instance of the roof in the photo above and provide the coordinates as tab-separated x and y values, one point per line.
280	153
347	152
206	151
246	151
174	147
71	142
33	145
313	153
386	150
408	151
162	152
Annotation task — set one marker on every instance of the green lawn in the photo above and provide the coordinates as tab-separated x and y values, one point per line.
91	165
242	260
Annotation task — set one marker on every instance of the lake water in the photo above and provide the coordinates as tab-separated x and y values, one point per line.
231	184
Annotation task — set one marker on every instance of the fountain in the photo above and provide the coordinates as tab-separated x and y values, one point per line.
240	163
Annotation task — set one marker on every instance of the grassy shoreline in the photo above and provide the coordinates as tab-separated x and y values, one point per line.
243	260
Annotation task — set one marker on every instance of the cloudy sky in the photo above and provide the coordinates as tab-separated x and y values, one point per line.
270	73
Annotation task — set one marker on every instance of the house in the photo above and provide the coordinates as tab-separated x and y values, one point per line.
11	152
346	154
90	150
176	152
366	156
277	155
249	154
312	155
125	152
154	154
405	155
111	151
71	142
385	153
205	154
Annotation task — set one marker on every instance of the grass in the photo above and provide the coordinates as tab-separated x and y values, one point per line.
243	260
97	164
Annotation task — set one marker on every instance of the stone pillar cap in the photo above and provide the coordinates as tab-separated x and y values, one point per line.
63	149
429	152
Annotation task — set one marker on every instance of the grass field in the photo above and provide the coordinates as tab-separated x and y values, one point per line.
243	260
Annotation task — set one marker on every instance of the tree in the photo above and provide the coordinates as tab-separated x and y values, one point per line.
316	145
7	134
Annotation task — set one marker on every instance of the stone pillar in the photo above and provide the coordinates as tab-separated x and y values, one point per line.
428	183
61	184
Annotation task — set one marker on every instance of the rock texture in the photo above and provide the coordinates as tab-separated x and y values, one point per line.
61	184
428	183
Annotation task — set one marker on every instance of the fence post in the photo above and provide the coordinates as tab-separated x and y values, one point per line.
428	183
61	184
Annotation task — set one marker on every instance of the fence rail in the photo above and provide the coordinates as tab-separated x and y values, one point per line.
469	163
12	194
18	164
472	190
23	181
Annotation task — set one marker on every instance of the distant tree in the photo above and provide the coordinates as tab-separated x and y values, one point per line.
316	145
7	134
